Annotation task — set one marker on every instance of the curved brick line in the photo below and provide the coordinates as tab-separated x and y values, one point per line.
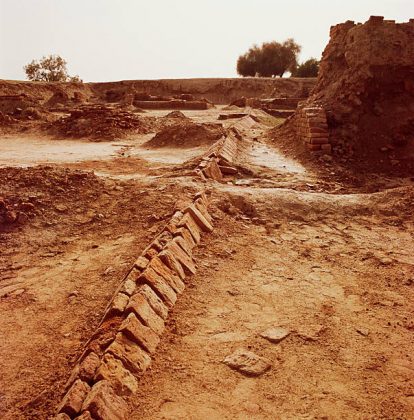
121	348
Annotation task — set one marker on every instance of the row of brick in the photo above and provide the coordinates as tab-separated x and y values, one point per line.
312	128
121	349
218	161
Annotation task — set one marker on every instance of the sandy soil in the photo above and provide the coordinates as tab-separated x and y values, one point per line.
295	245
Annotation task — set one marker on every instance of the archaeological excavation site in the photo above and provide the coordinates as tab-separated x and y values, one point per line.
235	248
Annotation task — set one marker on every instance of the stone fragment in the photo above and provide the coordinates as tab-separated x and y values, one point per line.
188	222
130	353
155	302
182	257
88	366
200	220
170	261
72	401
143	310
119	304
275	334
247	362
121	379
167	274
136	331
141	263
133	274
104	404
159	285
128	287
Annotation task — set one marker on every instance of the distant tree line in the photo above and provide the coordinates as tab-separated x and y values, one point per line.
273	59
49	69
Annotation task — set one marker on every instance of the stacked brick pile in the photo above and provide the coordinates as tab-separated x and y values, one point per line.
218	160
121	350
312	128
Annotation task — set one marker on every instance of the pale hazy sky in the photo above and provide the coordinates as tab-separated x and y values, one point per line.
149	39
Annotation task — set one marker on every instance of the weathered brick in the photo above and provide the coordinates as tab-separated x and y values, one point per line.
159	285
130	353
186	235
73	400
128	287
141	263
182	257
188	222
202	208
104	404
153	299
88	366
184	246
119	304
136	331
168	259
143	310
200	220
212	170
167	274
121	379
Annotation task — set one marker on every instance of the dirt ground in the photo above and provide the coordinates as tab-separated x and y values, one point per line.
307	246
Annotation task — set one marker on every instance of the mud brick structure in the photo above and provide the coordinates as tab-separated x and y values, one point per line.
366	87
218	160
312	128
129	333
174	104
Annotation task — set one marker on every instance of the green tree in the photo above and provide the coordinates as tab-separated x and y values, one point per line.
49	69
269	60
309	68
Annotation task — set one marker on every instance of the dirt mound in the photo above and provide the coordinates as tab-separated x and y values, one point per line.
176	115
187	135
101	122
363	103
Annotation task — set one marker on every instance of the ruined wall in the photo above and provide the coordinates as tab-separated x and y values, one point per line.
366	87
218	91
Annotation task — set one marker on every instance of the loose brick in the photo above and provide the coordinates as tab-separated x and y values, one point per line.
140	306
202	196
121	379
153	299
130	353
88	367
188	222
136	331
159	285
200	220
167	274
104	404
182	257
73	400
169	260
